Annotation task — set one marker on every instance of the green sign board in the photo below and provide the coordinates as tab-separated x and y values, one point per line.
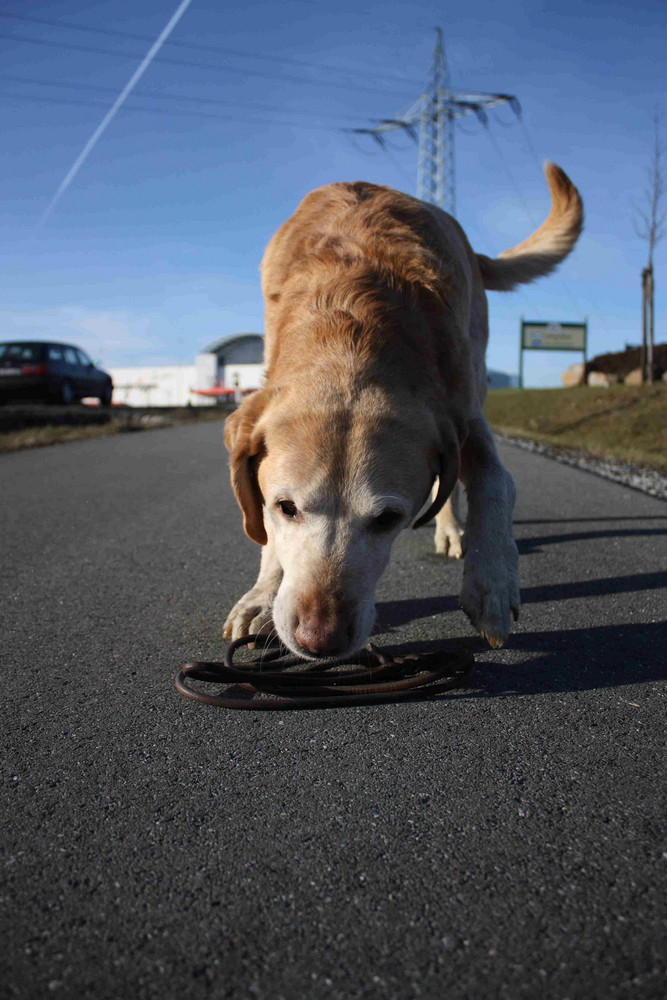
551	336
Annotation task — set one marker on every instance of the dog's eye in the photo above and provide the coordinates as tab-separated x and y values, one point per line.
287	508
387	520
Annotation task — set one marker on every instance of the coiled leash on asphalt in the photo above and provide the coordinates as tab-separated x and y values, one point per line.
369	677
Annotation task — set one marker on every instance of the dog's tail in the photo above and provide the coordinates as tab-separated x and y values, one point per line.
547	247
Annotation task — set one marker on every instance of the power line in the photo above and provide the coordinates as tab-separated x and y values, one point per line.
20	98
430	122
434	114
197	65
510	175
594	308
328	83
198	47
529	144
163	95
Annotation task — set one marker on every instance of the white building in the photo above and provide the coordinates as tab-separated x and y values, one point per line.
226	368
153	385
222	369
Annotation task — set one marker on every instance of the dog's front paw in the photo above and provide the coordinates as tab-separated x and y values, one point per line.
252	615
490	595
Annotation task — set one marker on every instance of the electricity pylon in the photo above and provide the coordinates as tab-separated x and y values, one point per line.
430	122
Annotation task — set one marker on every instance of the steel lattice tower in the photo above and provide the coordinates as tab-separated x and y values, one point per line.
436	180
430	122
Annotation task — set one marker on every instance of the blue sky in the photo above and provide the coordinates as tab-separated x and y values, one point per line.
153	251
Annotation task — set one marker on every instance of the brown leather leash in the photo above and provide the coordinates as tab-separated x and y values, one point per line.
370	677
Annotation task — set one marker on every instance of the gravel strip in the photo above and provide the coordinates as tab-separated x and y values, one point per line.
637	477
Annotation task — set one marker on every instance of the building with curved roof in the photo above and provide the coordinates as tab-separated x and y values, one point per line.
227	367
246	348
231	364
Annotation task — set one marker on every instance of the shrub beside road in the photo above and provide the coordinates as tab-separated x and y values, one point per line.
625	422
37	426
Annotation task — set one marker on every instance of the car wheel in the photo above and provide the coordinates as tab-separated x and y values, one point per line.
105	396
67	394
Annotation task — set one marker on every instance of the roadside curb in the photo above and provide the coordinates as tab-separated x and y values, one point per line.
641	478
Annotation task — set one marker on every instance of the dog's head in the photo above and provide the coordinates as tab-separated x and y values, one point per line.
331	486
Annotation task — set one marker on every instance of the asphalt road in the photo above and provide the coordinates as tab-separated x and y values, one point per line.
507	841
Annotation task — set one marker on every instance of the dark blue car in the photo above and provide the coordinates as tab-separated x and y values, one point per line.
51	373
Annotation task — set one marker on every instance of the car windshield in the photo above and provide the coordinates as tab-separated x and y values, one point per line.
20	352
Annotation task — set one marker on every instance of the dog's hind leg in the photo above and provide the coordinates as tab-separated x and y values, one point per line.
448	528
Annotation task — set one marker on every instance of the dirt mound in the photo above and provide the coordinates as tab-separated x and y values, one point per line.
622	363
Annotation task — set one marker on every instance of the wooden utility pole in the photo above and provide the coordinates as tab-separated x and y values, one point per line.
646	361
650	226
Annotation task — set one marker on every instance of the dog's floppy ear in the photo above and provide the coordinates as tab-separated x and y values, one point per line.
448	473
245	443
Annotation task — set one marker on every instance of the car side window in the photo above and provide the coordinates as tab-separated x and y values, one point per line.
83	358
70	357
55	353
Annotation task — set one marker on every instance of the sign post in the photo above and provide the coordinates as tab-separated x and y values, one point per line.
544	336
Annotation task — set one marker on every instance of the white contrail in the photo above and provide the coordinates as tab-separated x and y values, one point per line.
117	104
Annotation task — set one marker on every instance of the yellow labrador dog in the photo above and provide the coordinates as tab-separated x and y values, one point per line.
376	330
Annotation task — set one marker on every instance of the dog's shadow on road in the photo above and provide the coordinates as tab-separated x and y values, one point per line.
578	659
528	546
531	544
605	527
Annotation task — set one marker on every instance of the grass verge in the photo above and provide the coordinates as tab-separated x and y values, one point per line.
126	422
624	422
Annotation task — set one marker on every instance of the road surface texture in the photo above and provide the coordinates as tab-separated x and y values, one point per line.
506	841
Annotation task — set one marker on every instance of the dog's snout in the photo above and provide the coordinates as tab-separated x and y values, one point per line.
322	628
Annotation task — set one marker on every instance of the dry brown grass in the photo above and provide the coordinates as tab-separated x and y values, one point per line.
625	422
126	422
